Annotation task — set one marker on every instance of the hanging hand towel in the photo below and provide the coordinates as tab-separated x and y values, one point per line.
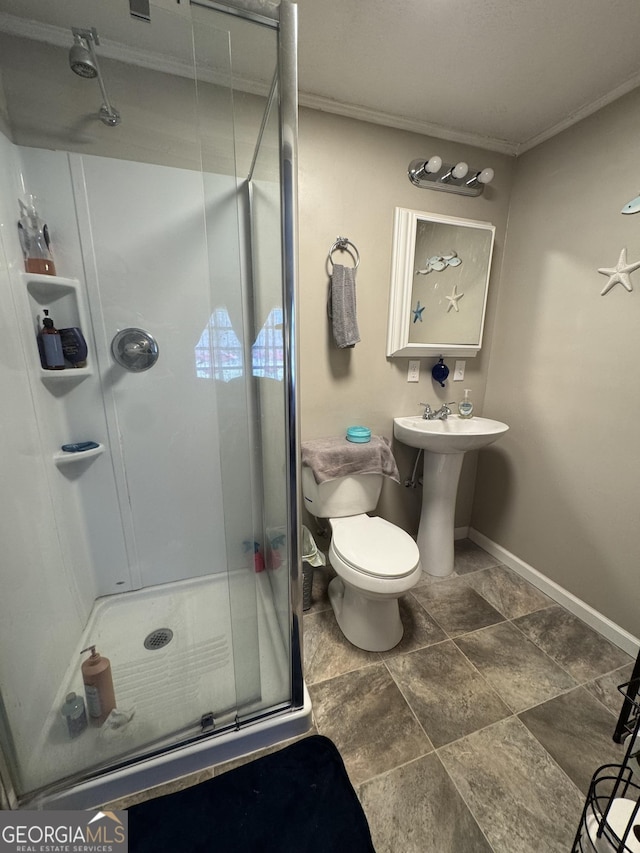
342	306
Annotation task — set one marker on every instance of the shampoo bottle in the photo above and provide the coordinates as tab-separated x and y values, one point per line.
75	714
34	239
50	345
98	686
74	346
465	406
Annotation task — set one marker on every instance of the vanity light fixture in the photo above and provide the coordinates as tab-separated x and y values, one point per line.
433	174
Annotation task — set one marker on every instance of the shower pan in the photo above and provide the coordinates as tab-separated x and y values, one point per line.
171	543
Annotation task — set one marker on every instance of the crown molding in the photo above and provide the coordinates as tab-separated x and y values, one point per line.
584	112
425	128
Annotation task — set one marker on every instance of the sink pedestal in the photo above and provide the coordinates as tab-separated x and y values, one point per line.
444	443
437	520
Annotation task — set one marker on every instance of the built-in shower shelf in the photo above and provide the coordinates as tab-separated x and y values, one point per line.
63	296
63	458
45	289
66	377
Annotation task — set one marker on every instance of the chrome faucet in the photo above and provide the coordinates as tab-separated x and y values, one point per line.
440	415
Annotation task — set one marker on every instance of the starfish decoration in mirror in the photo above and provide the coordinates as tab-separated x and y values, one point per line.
417	312
619	274
454	298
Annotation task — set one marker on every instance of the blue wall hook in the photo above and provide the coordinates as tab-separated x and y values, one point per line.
440	372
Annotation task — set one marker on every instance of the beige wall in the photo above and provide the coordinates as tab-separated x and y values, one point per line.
352	175
560	491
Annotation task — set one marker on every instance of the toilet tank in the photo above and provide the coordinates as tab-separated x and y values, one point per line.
353	495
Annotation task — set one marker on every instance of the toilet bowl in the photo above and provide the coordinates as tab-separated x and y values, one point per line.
375	561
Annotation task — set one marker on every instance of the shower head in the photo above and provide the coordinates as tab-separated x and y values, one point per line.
84	62
80	59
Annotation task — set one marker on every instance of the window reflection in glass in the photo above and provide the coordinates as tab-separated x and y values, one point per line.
218	353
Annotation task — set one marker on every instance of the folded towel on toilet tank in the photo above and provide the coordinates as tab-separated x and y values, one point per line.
333	457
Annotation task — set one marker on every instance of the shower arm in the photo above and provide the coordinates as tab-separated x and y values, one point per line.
111	112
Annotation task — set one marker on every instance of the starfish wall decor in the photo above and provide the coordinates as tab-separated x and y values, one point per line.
619	274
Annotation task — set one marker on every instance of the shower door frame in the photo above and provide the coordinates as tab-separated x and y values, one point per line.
288	89
284	20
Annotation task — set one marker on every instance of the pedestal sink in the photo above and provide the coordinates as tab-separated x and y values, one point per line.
444	443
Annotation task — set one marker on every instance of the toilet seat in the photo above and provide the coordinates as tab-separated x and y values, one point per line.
374	547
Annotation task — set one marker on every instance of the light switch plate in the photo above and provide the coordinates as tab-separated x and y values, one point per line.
458	371
413	374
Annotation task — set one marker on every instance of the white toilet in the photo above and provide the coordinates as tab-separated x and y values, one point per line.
376	562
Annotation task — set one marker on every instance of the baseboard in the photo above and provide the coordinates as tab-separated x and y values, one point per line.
626	641
461	533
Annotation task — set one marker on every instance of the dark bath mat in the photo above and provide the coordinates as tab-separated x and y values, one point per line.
297	800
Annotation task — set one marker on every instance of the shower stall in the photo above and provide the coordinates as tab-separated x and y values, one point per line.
171	543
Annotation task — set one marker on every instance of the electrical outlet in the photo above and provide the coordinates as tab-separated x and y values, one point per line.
458	371
413	374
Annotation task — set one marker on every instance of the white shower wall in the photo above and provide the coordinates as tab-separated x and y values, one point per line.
138	231
39	598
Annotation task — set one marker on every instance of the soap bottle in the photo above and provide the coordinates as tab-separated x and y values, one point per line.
34	239
98	686
50	345
75	714
465	406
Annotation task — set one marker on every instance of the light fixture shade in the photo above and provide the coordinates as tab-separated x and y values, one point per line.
486	176
460	170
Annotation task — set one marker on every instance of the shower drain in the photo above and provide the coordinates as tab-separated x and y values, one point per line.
158	639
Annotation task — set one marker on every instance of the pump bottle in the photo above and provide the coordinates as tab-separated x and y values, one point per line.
98	686
465	406
50	345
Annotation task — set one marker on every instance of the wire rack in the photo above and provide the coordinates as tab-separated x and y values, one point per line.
610	820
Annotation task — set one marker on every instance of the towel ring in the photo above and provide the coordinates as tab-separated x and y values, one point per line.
345	245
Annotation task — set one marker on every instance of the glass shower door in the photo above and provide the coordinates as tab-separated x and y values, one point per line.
246	337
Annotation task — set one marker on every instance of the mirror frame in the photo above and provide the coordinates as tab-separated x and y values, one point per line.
402	279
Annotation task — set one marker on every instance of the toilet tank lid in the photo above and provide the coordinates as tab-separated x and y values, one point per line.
374	546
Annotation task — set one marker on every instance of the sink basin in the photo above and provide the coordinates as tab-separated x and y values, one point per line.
454	435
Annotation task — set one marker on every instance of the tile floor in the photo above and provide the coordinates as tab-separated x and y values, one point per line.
480	731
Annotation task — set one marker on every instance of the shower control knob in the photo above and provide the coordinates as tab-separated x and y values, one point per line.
134	349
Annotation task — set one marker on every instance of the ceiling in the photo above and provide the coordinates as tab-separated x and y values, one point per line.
501	74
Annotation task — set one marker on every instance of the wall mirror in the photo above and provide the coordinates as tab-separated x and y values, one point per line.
439	281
